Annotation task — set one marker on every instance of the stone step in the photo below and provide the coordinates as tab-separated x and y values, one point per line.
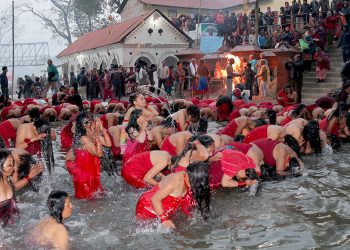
329	78
314	96
309	89
322	86
308	101
329	73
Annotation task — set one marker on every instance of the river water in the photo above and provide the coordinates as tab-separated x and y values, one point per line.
309	212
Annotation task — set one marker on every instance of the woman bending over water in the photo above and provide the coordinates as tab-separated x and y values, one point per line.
174	191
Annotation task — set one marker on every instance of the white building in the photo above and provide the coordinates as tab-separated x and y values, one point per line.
151	37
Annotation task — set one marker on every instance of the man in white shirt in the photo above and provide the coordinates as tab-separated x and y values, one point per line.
192	75
163	74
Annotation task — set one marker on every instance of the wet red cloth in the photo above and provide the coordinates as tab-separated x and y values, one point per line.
104	121
85	171
93	104
282	97
113	101
58	109
170	204
235	114
324	125
8	133
4	113
135	169
115	150
257	133
34	148
167	146
267	146
230	129
28	101
67	136
241	147
202	105
223	112
195	101
233	161
238	103
215	174
133	148
286	120
208	101
8	211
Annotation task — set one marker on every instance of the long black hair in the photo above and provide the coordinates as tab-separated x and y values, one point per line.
26	161
194	112
43	126
55	203
132	124
169	122
83	119
339	111
271	115
296	113
199	181
4	153
205	140
291	142
225	99
311	134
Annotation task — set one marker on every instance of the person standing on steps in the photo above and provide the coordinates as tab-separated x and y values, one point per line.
163	74
295	68
230	74
344	43
52	77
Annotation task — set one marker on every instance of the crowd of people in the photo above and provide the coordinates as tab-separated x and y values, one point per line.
162	144
164	148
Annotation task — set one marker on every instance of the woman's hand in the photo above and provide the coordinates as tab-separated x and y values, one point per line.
216	157
168	224
250	182
39	137
35	170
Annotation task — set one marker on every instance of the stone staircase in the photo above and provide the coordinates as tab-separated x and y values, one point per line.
312	90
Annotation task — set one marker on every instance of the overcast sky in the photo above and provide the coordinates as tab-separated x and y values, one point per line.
32	31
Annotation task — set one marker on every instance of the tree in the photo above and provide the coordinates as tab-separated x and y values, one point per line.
73	18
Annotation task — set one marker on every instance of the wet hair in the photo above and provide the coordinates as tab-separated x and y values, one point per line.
291	142
52	118
339	111
268	172
225	99
133	98
194	112
164	112
198	175
2	143
83	119
132	124
4	153
297	112
77	100
239	138
201	128
177	106
205	140
34	114
259	122
311	134
294	166
26	163
271	114
169	122
43	126
55	203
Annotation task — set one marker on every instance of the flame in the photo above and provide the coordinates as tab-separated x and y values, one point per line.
220	70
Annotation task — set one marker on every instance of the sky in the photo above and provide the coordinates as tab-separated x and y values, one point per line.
32	31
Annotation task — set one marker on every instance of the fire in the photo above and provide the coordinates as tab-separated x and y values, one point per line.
220	70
